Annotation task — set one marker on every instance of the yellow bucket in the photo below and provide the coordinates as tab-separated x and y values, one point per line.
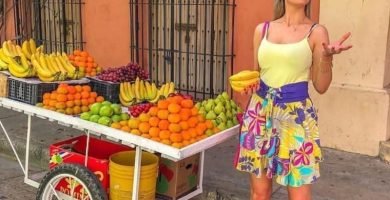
121	170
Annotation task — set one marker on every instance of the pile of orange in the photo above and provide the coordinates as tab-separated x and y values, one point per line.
173	121
71	100
85	62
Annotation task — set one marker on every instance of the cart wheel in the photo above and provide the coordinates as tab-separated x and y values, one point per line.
70	181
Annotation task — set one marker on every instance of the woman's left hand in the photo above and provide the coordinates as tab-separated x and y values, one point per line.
336	47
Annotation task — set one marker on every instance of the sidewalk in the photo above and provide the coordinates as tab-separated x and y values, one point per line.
344	176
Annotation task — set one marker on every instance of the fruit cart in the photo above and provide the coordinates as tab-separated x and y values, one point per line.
139	143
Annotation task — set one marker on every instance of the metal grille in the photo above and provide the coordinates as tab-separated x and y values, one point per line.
185	41
55	23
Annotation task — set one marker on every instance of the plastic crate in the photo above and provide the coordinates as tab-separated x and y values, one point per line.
28	92
109	90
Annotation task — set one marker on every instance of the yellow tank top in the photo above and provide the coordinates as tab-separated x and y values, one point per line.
283	64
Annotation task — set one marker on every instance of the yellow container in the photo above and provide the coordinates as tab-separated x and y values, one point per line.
121	170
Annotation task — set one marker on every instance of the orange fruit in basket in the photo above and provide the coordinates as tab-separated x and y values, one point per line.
194	111
201	118
153	121
116	125
84	95
93	94
123	123
186	135
209	124
90	59
60	105
46	95
76	110
172	100
46	102
178	99
144	127
71	57
135	132
60	111
156	139
61	98
166	141
82	59
201	137
78	88
88	69
95	65
184	125
87	88
186	143
70	97
84	102
153	111
192	141
193	132
163	104
77	96
163	124
69	111
201	128
154	132
71	89
70	104
76	52
89	65
185	114
178	145
192	121
81	64
163	114
99	99
187	103
91	100
164	134
84	54
52	103
62	90
125	129
53	96
216	130
174	108
84	109
143	117
174	128
65	85
174	118
77	102
145	135
93	73
176	137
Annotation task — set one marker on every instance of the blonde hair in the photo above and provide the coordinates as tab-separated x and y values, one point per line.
280	9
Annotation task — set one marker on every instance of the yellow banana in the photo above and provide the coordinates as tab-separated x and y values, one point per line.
166	89
3	57
159	94
130	90
154	91
148	89
26	49
52	65
171	88
237	89
33	46
123	102
244	75
6	50
123	92
137	89
244	83
3	65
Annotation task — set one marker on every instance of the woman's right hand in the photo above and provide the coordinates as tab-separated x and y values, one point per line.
251	89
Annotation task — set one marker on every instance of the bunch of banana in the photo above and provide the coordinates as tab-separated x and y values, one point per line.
29	47
3	61
164	91
244	79
18	64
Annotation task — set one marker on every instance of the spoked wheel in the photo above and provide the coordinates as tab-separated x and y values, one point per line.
70	182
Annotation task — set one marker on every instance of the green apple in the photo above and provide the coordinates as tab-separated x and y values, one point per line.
94	118
211	115
125	116
106	111
85	115
95	108
106	121
117	108
106	103
116	118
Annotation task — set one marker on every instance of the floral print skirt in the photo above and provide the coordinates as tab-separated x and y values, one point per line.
288	150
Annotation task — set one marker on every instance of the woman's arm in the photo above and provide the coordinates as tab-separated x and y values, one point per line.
321	70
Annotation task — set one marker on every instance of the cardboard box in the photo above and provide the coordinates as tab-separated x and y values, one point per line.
73	151
176	179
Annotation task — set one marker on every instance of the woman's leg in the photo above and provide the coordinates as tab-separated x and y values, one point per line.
261	188
299	193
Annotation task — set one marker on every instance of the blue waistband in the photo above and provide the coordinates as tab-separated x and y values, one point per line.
286	94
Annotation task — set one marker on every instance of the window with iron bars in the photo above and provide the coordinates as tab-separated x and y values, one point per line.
57	24
185	41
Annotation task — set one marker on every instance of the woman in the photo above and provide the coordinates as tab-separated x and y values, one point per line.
279	135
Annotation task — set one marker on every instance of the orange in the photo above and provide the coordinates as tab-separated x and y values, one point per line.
65	85
90	66
178	99
192	122
153	111
164	134
62	90
193	140
93	94
125	128
209	124
194	111
71	89
52	103
187	103
84	54
193	132
84	102
184	125
61	98
69	111
201	128
185	114
186	135
201	137
77	102
163	114
46	102
156	139
144	127
174	118
116	125
70	104
186	143
84	108
60	105
71	57
163	104
77	110
174	108
143	117
153	121
84	95
145	135
91	100
78	88
172	100
93	73
154	131
216	130
77	96
70	97
176	137
201	118
88	69
163	124
133	123
90	59
76	52
99	99
46	96
174	128
53	96
178	145
86	88
135	132
123	123
166	141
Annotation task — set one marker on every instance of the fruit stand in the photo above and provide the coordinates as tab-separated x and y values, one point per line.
159	120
